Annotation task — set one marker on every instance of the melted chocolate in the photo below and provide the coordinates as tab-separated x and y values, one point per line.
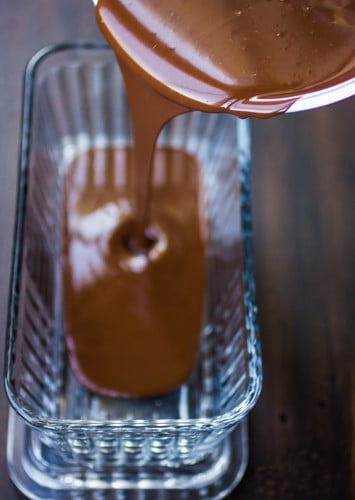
133	318
134	282
243	56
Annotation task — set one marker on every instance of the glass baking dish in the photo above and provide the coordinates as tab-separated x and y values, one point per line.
64	440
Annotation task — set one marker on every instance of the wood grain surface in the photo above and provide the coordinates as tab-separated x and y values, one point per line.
302	429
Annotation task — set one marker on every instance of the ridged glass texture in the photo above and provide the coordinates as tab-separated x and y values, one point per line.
75	99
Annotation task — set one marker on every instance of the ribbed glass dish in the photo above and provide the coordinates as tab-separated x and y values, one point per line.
65	441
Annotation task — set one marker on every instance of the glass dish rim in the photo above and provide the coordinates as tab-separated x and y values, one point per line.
227	419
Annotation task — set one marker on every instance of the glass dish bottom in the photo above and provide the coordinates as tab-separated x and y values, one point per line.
40	474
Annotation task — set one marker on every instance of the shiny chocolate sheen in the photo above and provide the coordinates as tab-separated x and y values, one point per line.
248	57
133	319
133	323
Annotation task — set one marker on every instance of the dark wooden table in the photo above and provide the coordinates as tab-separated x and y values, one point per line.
303	427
